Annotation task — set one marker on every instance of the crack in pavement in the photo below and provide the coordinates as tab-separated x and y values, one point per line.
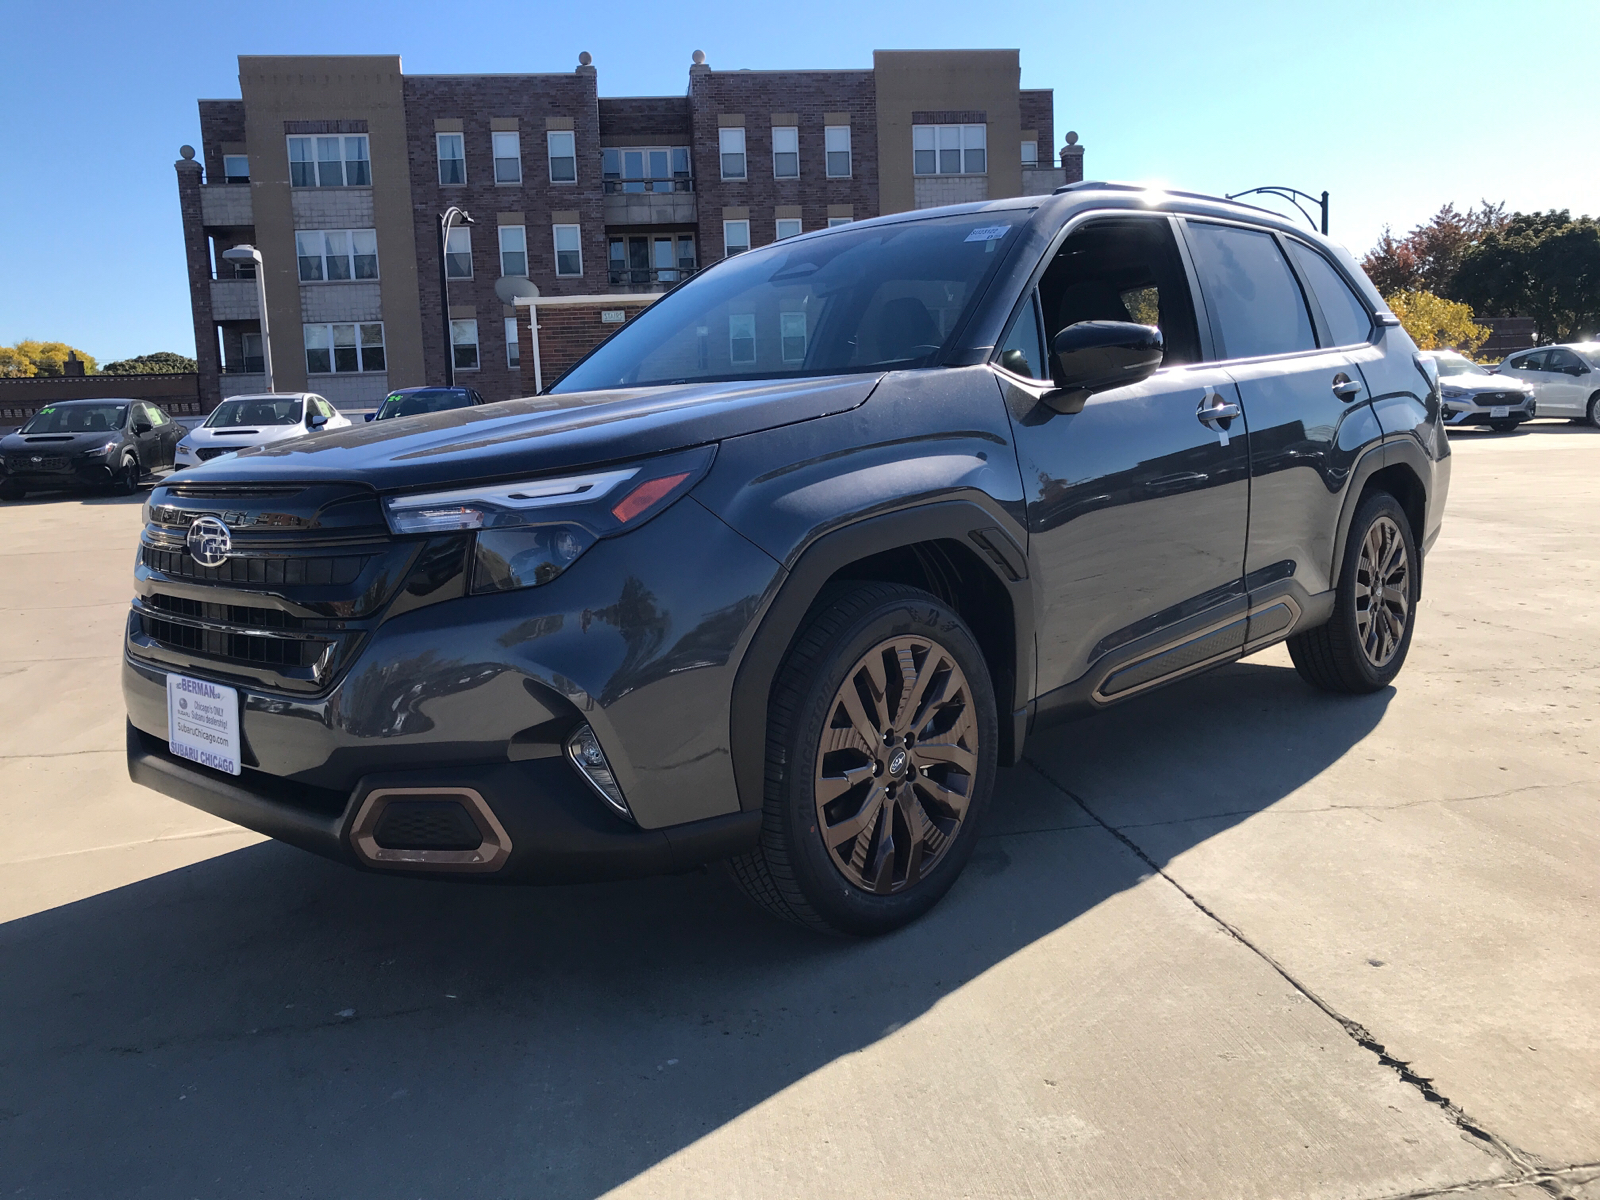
59	754
1519	1160
1554	1180
226	831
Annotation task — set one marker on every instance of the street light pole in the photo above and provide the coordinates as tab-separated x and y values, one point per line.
446	219
1290	194
249	254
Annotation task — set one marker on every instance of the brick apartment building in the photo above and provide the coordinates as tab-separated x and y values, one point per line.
337	168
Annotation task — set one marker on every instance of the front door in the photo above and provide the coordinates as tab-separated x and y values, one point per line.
1137	504
1565	384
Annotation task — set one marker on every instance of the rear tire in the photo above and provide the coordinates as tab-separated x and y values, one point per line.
1364	644
881	752
1594	410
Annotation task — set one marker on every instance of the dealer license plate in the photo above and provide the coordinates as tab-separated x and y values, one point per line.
1499	410
203	722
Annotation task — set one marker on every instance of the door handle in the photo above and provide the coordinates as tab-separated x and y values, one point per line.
1345	388
1214	408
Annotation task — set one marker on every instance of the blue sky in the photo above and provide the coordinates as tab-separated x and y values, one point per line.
1395	108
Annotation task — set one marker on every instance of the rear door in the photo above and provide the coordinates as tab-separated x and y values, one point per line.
144	428
1528	367
1566	384
1306	403
1138	503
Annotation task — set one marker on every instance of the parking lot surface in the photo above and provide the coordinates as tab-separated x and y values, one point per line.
1235	938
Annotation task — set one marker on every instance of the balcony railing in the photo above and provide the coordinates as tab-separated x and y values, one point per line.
616	187
644	277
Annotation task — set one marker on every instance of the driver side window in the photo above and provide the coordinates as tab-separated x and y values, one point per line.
1122	269
1022	352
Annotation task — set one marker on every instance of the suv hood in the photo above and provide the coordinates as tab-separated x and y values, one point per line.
243	435
59	443
538	434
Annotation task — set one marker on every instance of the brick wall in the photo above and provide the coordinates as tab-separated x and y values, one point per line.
1038	112
21	398
645	121
220	121
757	95
475	101
568	331
197	252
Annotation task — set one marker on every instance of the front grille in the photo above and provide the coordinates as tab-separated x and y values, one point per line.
299	571
234	614
207	453
234	647
426	825
24	463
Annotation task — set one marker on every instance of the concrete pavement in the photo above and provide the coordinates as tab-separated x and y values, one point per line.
1347	948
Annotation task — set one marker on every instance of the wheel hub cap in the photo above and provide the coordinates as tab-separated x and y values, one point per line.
896	764
1383	592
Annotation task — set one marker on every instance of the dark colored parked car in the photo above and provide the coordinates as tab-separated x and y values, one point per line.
416	401
77	443
785	569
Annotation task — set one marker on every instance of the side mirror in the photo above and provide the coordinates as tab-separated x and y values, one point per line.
372	416
316	421
1095	355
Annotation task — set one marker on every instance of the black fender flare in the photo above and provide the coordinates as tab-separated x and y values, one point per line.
1395	450
996	547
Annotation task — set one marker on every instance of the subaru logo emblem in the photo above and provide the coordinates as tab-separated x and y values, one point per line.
209	542
36	458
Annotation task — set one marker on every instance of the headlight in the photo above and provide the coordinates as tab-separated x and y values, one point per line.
101	450
184	448
1455	393
530	531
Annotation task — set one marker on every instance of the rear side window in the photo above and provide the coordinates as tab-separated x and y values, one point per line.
1529	362
1348	320
1255	301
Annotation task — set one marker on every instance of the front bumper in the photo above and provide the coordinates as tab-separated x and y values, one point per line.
91	473
1457	413
557	831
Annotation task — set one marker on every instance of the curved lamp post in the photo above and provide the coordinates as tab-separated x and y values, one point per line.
239	256
1290	194
449	217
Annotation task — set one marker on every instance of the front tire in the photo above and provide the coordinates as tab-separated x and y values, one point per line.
881	753
1504	426
1364	644
126	480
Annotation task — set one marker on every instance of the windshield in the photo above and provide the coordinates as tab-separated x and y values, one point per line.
262	410
76	418
409	404
1450	364
872	298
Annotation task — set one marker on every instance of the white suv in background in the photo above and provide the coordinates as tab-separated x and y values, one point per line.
241	421
1565	379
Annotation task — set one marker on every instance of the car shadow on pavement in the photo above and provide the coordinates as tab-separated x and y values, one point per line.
265	1021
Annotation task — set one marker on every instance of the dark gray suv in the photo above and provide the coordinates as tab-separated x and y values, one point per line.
785	569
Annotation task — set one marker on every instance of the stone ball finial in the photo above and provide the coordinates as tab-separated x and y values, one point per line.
585	58
187	152
1072	137
699	57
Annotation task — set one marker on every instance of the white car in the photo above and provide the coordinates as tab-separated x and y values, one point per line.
1565	379
241	421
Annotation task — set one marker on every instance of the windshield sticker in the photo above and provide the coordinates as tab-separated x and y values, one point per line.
988	233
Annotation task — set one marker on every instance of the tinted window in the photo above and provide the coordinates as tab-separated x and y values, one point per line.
258	411
1348	320
1021	351
1561	360
411	404
1256	305
76	418
1528	362
856	298
1122	270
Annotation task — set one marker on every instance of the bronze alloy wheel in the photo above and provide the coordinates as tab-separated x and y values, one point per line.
896	764
1383	592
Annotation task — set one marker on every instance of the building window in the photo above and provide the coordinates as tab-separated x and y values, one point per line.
1030	153
329	162
254	362
731	142
788	227
458	254
836	221
569	251
344	349
513	350
563	156
741	338
336	254
792	336
513	250
949	149
837	143
735	237
785	152
507	157
464	344
645	169
235	168
452	158
639	260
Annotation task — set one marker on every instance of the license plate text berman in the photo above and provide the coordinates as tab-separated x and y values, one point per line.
1499	410
203	723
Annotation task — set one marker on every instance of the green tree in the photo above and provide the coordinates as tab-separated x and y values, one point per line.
1435	323
47	358
162	362
1428	258
1540	265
